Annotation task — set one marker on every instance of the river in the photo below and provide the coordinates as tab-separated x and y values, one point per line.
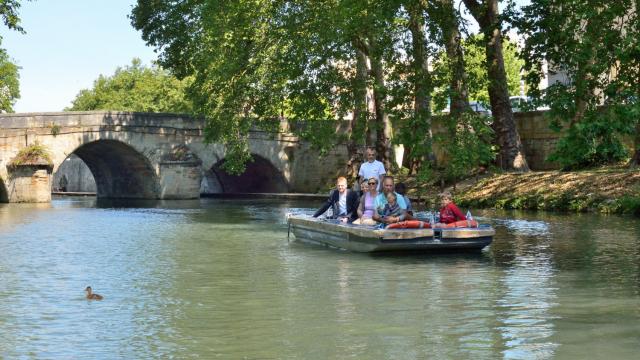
217	278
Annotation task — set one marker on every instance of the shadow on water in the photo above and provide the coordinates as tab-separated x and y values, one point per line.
146	204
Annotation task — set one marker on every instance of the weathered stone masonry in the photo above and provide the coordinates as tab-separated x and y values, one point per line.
134	155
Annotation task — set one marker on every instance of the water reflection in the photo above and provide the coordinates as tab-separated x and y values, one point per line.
217	278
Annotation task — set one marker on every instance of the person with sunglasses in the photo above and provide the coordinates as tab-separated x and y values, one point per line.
367	206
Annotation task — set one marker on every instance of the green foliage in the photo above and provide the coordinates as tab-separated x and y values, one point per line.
596	45
255	61
591	142
9	76
55	129
630	205
9	14
136	88
9	82
467	144
476	71
31	154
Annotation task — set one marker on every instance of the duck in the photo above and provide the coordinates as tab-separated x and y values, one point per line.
91	295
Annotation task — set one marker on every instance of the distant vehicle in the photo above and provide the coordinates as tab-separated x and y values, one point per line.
520	103
524	103
480	108
477	107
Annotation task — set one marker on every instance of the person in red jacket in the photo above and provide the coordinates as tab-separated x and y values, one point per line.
449	212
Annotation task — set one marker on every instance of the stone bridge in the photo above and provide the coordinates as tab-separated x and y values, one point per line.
160	156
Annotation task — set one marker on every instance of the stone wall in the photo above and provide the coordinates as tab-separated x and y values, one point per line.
537	138
29	184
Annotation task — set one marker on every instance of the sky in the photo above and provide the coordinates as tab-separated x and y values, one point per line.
68	44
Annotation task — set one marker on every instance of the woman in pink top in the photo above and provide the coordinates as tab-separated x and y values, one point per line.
366	208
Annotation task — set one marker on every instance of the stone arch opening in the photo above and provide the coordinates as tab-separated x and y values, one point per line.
119	170
4	194
73	175
260	176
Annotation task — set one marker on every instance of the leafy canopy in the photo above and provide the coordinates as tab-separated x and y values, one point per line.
9	82
136	88
595	45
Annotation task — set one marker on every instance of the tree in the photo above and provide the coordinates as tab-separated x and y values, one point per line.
136	88
9	14
254	62
595	44
9	82
9	76
475	65
511	153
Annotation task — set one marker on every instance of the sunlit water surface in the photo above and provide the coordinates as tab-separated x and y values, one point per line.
218	279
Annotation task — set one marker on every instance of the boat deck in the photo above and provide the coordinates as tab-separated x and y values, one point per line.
372	239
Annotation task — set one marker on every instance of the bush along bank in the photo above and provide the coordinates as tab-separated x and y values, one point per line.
614	191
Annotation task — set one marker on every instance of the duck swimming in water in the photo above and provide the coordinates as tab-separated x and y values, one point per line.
91	295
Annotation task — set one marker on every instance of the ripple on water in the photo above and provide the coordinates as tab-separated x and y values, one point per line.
217	278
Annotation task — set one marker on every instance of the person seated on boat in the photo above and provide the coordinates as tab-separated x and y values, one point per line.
367	208
449	212
364	188
401	189
381	200
392	209
343	201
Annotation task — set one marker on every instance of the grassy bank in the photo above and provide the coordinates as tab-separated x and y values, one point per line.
606	190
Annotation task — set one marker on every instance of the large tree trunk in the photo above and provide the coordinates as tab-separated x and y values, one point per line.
383	123
450	26
422	85
357	125
635	160
511	156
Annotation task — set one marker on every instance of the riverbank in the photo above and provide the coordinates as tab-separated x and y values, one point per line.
606	190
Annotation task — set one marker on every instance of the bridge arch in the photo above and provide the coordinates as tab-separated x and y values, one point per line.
4	195
119	170
260	176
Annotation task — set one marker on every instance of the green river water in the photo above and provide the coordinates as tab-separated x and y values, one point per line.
217	279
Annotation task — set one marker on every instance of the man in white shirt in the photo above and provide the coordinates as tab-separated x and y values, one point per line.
372	167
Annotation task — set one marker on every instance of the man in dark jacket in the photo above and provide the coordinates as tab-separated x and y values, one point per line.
343	201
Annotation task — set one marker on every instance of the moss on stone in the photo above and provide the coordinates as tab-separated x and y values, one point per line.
32	155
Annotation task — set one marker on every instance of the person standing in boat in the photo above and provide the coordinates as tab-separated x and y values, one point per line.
343	201
449	212
381	200
367	207
372	168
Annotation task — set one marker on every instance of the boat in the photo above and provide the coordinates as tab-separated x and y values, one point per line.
360	238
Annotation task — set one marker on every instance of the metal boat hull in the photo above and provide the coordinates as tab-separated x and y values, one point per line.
369	239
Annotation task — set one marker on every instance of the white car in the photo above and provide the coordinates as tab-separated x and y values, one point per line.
478	107
520	103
